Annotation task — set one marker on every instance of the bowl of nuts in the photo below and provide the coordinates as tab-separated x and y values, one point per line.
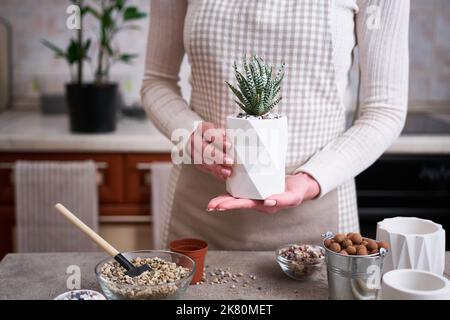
301	262
169	277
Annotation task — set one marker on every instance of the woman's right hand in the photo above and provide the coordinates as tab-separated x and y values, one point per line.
208	150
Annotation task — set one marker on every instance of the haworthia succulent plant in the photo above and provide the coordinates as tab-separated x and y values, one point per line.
257	91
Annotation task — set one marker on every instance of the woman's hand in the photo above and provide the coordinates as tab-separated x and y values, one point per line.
299	188
208	147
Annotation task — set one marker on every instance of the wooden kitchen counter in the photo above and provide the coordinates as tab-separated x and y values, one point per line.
43	276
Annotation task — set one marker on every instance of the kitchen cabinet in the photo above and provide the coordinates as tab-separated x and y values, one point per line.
124	184
138	176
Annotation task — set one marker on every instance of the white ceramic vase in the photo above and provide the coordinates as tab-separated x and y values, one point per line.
259	150
415	244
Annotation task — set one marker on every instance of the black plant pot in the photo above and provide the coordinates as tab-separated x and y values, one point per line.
92	107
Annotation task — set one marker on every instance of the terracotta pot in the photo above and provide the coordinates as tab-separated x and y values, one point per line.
196	250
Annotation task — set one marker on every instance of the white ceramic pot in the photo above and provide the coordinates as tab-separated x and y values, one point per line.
415	244
408	284
259	150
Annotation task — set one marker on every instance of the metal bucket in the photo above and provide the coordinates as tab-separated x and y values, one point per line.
353	277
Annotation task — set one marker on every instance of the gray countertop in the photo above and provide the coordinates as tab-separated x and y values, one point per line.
28	131
43	276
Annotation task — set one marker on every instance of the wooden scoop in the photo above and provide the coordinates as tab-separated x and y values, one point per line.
132	271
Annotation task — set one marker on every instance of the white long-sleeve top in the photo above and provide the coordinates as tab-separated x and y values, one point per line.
379	28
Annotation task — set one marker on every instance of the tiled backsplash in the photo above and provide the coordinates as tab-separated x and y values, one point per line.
36	71
430	50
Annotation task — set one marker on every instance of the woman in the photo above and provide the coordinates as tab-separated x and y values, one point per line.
315	38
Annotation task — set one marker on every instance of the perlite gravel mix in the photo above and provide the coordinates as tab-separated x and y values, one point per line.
163	275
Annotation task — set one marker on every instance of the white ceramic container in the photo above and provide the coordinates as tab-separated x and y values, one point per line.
259	150
81	295
415	244
408	284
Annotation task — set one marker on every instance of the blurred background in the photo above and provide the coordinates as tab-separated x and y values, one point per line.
35	72
130	156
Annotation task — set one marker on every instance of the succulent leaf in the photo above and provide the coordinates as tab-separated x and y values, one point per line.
257	90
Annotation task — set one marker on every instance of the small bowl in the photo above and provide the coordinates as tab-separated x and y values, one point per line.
301	270
167	291
81	295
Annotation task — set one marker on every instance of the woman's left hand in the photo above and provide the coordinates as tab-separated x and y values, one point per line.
299	188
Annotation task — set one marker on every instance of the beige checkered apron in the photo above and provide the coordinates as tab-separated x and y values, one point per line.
294	31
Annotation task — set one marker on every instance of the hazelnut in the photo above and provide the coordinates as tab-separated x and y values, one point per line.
343	252
339	237
356	238
361	250
349	234
383	244
346	243
335	247
365	243
327	243
374	251
371	245
351	250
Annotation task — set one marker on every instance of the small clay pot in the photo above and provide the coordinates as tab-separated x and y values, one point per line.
196	250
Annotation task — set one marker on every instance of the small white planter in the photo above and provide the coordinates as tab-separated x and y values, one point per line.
409	284
415	244
259	150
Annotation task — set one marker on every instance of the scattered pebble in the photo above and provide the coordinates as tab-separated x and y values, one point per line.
264	116
217	276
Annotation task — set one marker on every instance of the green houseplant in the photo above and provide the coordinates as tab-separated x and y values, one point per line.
259	134
258	91
93	105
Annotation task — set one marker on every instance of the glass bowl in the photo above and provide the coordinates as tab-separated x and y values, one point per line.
166	291
306	269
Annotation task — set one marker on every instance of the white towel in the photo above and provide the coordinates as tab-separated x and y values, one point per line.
160	173
39	185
